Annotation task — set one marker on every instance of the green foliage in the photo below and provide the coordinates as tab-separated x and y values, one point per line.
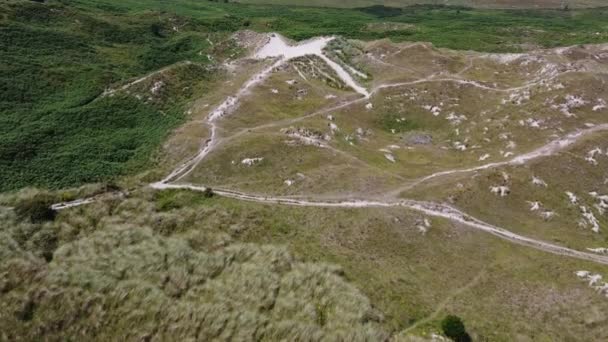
119	273
37	209
56	130
453	328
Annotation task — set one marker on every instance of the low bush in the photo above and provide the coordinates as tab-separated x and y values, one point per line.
453	327
36	209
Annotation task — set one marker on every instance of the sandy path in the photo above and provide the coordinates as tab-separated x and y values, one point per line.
429	208
546	150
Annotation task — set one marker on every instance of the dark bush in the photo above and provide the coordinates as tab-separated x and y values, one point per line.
44	243
26	312
453	327
382	11
37	209
208	193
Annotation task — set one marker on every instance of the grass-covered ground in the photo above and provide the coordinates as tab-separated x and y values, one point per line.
59	57
162	265
177	265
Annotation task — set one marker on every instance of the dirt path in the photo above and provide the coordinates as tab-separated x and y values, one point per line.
444	303
546	150
429	208
110	92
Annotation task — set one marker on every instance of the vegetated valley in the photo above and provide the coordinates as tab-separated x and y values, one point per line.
214	170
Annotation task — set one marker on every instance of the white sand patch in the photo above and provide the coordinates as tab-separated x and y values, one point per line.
251	161
223	108
289	182
456	119
501	190
534	206
589	219
601	104
533	123
435	110
274	91
333	127
278	47
518	97
600	250
330	96
459	146
362	133
369	106
572	197
602	205
505	58
156	87
305	136
424	225
538	182
438	338
591	155
390	157
484	157
594	280
547	215
572	102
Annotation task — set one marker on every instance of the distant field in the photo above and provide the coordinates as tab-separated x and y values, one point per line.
469	3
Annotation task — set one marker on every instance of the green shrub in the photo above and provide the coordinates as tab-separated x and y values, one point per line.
453	327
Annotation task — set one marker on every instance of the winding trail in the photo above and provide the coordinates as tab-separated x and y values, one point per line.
429	208
546	150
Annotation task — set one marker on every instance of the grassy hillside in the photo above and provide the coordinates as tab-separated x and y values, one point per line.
57	129
175	265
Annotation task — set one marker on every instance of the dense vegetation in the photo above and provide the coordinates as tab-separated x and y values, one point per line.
452	27
57	130
150	268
